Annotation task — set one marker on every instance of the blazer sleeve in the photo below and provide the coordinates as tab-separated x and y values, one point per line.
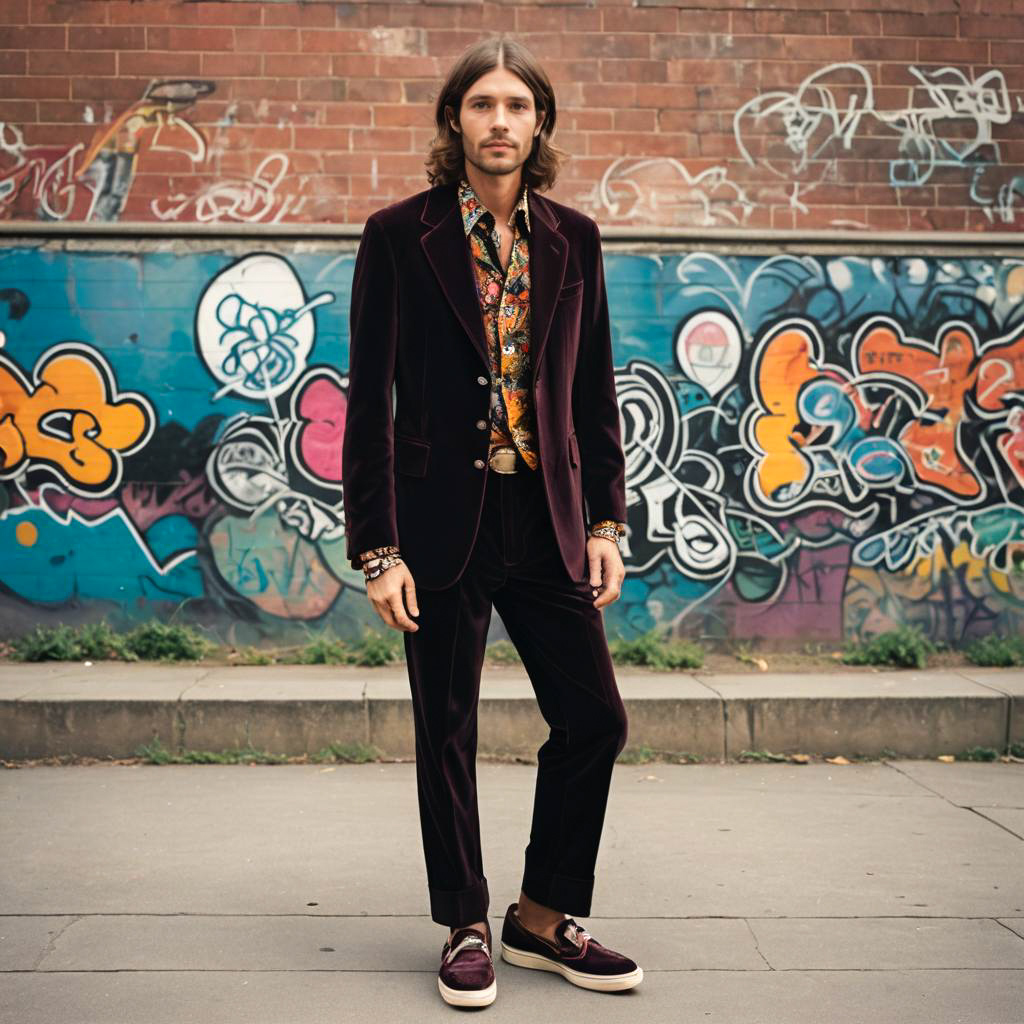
367	453
595	406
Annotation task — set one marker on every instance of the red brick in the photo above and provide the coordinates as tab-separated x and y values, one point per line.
304	15
989	27
560	19
64	62
81	12
409	67
634	71
175	37
123	89
14	12
964	51
234	13
586	120
322	138
36	134
790	23
449	43
617	45
682	120
599	94
663	144
146	62
665	95
884	49
631	19
103	37
223	65
825	48
765	47
697	21
132	12
886	218
702	72
323	89
682	47
854	23
13	62
634	121
349	113
263	40
354	65
571	71
391	140
401	115
260	88
296	65
1006	53
23	112
35	37
917	25
375	90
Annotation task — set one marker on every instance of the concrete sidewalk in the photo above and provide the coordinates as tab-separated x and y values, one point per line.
884	893
109	708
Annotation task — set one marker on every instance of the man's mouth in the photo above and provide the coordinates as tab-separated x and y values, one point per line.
497	145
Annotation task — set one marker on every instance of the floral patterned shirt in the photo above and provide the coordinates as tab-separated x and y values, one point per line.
505	307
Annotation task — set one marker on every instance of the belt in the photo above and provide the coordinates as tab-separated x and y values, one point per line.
503	459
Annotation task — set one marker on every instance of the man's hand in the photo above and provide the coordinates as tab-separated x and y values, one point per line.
391	593
606	569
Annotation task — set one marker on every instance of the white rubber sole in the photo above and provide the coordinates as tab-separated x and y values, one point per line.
596	982
468	997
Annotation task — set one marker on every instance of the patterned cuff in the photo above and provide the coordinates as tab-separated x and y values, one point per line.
609	528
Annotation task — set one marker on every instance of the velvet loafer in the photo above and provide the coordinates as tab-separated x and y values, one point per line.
466	975
574	953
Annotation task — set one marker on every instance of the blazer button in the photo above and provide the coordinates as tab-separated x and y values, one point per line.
481	424
479	463
481	380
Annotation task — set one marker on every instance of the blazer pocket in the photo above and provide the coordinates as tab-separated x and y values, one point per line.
570	290
574	449
411	456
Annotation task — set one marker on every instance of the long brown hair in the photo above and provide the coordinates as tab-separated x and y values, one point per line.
446	160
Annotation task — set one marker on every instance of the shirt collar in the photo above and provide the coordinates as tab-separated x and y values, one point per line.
473	209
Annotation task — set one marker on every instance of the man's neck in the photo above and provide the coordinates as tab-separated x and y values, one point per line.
498	192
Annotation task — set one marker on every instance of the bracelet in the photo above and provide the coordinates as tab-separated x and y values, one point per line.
378	560
608	528
381	565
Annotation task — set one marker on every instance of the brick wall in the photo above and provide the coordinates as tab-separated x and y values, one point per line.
859	114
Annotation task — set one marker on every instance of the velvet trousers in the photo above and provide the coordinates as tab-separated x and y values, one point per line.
514	567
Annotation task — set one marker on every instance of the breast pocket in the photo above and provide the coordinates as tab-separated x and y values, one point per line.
411	456
570	290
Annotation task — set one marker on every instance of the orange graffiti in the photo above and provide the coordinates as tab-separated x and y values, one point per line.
785	365
944	376
70	420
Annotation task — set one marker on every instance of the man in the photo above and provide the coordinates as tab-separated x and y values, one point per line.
483	303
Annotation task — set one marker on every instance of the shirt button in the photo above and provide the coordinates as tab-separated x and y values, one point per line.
479	463
481	380
481	424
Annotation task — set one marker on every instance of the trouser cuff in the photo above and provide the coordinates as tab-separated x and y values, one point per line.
571	896
458	907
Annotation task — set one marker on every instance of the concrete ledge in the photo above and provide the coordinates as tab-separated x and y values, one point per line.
110	708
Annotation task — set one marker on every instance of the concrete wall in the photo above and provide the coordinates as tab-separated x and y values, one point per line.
819	446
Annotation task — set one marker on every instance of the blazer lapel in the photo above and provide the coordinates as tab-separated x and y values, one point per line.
448	253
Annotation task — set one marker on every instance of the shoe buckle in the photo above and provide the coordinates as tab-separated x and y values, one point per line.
471	940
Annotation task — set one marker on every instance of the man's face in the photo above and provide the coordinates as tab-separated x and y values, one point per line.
498	107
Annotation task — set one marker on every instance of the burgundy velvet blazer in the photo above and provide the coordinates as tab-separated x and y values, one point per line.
414	464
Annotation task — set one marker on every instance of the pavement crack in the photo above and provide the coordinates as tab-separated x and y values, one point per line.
52	941
757	947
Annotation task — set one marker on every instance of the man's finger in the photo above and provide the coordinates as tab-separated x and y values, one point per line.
410	597
398	611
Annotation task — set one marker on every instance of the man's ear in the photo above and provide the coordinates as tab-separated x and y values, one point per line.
452	121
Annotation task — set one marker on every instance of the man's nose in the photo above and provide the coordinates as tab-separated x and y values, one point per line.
500	120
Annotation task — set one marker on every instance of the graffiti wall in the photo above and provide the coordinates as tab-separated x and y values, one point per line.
818	446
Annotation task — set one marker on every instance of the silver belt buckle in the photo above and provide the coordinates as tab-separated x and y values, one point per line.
503	460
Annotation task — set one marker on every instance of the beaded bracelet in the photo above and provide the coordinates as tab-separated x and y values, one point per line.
378	560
